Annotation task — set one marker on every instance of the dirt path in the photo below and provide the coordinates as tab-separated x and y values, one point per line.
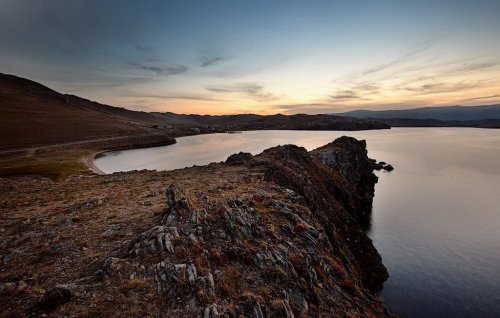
63	159
32	150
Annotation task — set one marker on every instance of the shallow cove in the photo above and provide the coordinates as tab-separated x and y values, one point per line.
436	218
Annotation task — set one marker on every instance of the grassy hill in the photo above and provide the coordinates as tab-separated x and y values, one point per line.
34	115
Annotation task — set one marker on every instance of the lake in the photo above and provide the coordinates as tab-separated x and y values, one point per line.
436	217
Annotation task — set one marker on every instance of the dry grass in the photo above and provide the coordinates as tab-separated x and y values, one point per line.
351	287
56	165
230	283
60	226
276	273
217	258
137	286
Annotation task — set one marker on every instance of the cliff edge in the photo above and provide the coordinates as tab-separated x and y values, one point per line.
279	234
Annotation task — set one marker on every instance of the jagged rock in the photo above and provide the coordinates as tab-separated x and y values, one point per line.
54	298
377	166
90	203
7	287
388	168
211	284
193	238
288	310
210	311
176	198
239	158
257	310
111	264
194	217
157	239
273	235
346	180
112	230
206	285
192	274
177	204
382	166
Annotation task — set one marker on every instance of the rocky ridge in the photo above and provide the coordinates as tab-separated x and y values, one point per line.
279	234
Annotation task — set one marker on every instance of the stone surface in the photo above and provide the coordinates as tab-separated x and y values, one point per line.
279	234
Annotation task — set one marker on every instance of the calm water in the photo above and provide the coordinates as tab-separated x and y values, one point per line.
436	218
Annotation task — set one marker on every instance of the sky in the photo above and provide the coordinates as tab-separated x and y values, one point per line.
264	57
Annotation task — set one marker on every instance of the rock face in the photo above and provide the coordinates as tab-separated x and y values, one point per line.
273	235
291	246
339	191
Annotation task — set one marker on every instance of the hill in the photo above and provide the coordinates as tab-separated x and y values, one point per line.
35	115
278	121
445	113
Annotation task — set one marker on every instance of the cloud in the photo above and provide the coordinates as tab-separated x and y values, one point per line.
365	87
143	48
175	69
345	95
481	97
443	70
175	96
82	81
400	60
159	70
304	108
252	90
152	69
208	61
475	67
356	91
438	88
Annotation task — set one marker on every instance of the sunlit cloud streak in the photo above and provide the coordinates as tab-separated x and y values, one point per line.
251	90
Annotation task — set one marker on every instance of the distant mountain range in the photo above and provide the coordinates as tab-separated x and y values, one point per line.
445	113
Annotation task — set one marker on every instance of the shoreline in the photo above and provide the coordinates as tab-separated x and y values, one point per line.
89	161
59	161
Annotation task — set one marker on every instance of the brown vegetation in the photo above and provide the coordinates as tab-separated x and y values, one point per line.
223	239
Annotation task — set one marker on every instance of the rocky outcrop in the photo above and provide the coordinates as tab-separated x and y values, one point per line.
338	184
287	244
349	157
274	235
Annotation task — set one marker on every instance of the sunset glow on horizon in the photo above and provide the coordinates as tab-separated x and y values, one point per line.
263	57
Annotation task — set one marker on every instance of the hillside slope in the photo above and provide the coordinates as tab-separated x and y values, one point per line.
34	115
273	235
446	113
278	121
